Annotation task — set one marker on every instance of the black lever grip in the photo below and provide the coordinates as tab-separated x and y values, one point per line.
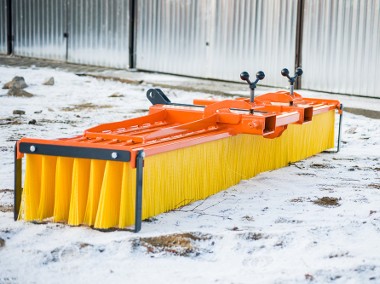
260	75
252	85
298	73
285	72
245	76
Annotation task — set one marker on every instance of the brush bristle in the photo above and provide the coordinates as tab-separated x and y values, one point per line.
79	191
102	193
46	205
95	185
63	184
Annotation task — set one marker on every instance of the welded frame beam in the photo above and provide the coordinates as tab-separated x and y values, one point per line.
75	152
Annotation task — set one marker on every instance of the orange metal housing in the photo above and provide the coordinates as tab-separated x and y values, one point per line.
170	127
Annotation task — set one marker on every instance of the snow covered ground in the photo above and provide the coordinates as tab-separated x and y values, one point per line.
317	220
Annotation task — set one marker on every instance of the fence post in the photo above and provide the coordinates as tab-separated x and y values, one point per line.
9	27
299	31
132	29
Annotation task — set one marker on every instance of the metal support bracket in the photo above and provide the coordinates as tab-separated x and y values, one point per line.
158	97
339	133
17	185
139	186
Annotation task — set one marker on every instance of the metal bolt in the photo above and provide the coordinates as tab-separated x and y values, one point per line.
32	148
114	155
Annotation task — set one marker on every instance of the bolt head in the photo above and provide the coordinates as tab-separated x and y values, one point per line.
114	155
32	148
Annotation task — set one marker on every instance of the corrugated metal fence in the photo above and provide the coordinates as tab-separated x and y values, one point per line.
38	28
252	35
220	38
171	34
3	27
99	32
337	42
217	39
94	32
341	46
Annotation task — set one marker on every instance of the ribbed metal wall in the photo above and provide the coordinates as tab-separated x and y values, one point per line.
38	28
341	46
3	27
253	35
209	38
217	38
99	32
172	35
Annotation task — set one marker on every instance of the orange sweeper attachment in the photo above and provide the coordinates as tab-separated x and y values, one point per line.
117	174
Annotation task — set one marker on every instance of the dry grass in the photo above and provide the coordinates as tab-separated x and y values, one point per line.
6	207
321	166
374	185
184	244
85	106
327	201
251	236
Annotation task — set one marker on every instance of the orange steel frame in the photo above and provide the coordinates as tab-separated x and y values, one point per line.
169	127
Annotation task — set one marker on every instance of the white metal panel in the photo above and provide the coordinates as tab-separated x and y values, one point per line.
38	27
253	35
172	36
3	27
99	32
217	38
341	46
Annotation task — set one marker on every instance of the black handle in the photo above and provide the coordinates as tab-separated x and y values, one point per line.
245	76
298	73
252	85
260	75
